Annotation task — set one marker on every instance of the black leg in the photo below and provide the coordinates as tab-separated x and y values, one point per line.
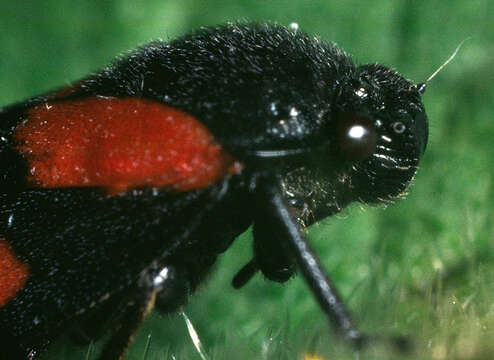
245	274
322	287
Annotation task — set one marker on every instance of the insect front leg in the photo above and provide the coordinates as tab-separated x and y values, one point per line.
284	226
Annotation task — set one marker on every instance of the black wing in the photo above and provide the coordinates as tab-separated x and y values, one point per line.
83	246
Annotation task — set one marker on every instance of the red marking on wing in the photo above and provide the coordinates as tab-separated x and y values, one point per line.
119	144
13	273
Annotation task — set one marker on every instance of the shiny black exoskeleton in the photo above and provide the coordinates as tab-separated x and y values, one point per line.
313	131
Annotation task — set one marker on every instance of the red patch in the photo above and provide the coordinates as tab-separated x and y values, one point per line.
119	144
13	273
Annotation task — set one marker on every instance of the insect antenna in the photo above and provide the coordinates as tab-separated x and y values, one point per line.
421	87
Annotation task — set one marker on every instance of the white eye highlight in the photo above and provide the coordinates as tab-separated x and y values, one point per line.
356	136
356	132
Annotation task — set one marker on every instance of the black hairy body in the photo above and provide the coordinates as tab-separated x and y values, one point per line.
281	103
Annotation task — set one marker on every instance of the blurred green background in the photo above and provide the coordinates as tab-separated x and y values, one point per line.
422	267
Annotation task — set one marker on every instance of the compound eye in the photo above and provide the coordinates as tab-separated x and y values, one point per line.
356	136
